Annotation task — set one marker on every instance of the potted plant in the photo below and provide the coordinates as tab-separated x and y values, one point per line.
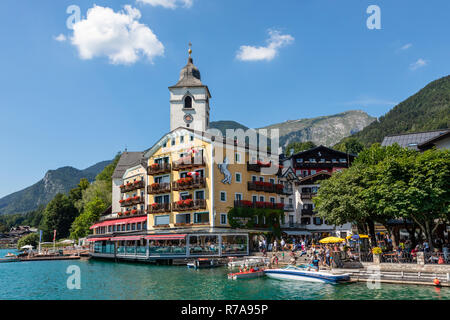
134	211
376	251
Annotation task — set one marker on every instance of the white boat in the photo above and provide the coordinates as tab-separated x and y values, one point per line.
306	274
249	262
203	263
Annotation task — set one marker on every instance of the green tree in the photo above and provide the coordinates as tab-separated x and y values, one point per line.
91	213
76	193
298	147
58	215
29	239
350	145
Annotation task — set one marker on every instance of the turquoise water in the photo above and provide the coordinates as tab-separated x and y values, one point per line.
109	280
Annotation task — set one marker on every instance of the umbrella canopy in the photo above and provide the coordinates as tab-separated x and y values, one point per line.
331	240
28	246
358	236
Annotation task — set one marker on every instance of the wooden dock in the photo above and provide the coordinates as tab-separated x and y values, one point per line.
49	258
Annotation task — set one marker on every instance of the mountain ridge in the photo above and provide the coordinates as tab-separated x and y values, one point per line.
55	181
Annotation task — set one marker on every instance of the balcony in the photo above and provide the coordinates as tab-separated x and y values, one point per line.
256	167
188	163
131	186
131	201
188	183
288	190
156	188
131	213
189	205
307	196
158	208
158	168
309	212
263	186
258	204
289	207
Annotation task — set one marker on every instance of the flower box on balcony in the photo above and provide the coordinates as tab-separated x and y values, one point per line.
133	211
126	213
155	185
128	184
155	166
161	226
136	198
121	201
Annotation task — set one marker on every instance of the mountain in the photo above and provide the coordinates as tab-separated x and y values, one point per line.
54	181
428	109
326	130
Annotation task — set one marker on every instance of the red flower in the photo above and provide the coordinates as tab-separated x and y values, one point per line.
137	181
155	165
155	205
128	199
188	202
280	186
128	184
121	201
127	213
122	185
180	202
119	213
136	198
155	185
133	211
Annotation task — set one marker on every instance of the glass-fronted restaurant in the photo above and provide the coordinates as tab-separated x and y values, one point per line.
208	242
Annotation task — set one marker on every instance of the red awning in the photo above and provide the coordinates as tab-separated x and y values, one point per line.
119	221
98	239
127	238
166	237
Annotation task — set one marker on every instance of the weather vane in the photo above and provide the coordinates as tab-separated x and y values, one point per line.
190	49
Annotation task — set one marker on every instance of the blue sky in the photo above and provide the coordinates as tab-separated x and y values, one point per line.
70	103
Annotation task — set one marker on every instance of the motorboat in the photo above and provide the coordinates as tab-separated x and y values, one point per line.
10	255
306	274
203	263
252	273
248	262
11	259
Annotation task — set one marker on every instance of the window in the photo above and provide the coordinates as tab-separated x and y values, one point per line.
313	160
223	196
272	199
237	157
342	160
109	228
281	200
253	178
299	160
333	160
262	199
191	137
254	198
138	226
128	227
238	177
261	179
133	226
313	171
181	139
322	160
159	220
238	196
200	195
173	141
272	181
223	218
188	102
185	195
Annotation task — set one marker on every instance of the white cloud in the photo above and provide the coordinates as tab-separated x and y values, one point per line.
60	38
116	35
406	46
418	64
274	43
170	4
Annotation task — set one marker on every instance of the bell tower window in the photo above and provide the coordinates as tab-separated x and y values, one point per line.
188	102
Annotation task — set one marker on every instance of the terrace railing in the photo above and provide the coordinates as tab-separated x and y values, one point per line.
188	162
189	205
189	183
158	168
258	204
159	208
156	188
132	186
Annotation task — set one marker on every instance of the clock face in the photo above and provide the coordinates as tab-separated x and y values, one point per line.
188	118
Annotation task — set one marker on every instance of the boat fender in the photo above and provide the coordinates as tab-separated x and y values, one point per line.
436	281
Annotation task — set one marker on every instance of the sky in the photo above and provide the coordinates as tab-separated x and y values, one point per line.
77	89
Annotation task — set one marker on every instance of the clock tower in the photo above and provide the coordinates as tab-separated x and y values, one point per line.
189	99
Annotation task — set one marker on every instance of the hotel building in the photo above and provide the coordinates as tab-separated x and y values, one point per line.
194	193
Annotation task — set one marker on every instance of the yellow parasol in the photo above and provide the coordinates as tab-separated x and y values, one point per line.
357	236
331	240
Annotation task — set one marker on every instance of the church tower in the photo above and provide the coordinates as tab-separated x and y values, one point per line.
189	99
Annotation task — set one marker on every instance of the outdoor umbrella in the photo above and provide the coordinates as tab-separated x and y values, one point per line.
331	240
28	246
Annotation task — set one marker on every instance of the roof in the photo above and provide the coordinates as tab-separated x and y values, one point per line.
190	77
128	160
312	179
432	141
321	147
412	140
